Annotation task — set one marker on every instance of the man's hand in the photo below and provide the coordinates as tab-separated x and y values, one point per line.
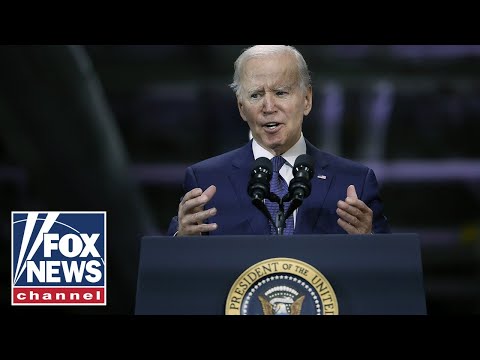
191	214
354	216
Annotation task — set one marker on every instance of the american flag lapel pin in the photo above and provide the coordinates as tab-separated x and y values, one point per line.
323	177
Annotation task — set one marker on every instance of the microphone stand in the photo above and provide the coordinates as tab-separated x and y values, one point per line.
279	222
280	218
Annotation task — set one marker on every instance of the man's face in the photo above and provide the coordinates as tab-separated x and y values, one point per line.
272	102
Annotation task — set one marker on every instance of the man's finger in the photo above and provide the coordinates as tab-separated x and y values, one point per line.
349	218
210	191
355	210
191	195
350	229
201	216
351	193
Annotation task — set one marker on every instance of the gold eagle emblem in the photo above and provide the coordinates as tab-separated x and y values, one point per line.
280	308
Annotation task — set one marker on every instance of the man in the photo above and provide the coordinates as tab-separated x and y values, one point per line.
274	93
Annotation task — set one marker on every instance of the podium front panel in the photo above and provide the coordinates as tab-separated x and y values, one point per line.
370	274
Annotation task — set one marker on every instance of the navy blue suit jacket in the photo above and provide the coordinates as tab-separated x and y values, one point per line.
236	215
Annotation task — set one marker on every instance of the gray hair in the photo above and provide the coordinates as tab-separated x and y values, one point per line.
263	50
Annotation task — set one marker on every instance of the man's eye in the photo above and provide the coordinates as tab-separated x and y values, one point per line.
254	96
281	93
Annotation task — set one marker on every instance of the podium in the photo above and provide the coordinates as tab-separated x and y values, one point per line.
369	274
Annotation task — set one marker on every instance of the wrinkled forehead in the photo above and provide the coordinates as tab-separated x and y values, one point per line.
271	71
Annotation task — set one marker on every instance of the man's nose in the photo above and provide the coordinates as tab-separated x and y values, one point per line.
269	103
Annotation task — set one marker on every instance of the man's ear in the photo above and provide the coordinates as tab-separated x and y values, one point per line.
308	101
240	108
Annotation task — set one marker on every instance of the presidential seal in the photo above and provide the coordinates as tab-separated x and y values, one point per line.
281	286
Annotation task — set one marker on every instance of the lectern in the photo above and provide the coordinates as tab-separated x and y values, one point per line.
300	274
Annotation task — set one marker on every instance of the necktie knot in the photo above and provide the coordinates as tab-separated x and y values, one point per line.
277	163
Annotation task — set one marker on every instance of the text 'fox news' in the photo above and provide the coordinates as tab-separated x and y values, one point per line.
59	258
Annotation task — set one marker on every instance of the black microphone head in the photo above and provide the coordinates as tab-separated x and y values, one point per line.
263	164
304	162
259	184
300	186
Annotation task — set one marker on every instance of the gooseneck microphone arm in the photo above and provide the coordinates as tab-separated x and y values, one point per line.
260	205
294	205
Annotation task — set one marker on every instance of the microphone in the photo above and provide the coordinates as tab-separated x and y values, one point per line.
300	186
259	185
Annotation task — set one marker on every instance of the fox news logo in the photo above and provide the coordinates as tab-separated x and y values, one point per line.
58	258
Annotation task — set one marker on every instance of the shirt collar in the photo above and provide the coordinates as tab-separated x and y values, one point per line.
290	155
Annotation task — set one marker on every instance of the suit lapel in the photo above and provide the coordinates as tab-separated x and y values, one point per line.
309	212
239	177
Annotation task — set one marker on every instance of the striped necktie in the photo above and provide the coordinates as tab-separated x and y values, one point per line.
279	186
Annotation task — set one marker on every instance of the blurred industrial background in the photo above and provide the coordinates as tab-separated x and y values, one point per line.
114	127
